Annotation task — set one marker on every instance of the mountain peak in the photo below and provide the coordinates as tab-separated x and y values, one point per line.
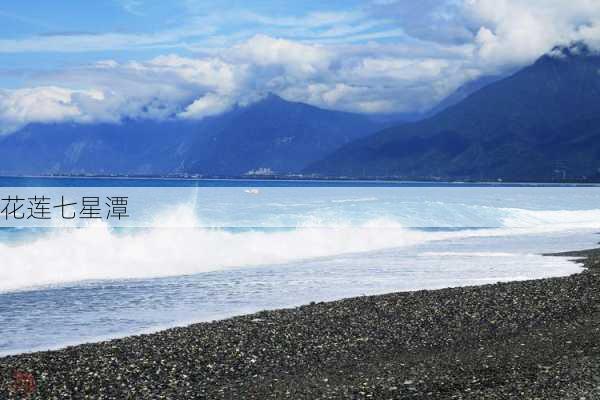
270	101
539	123
573	50
272	98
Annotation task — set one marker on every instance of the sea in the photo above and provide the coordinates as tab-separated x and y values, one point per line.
200	250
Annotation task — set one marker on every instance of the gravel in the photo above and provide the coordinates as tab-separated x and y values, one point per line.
534	339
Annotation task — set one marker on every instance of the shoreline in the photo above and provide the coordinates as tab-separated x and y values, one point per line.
525	339
366	180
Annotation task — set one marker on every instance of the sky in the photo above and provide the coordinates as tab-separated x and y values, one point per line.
106	60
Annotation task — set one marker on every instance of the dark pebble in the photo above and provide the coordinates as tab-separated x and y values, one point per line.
523	340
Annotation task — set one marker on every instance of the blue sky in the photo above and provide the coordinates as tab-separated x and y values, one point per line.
179	26
42	35
105	60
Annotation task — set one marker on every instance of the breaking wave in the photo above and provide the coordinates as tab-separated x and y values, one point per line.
182	245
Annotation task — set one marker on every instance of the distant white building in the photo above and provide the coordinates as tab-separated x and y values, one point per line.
260	172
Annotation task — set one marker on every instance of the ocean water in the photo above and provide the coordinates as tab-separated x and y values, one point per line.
221	248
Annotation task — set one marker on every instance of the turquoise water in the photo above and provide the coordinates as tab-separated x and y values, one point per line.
233	247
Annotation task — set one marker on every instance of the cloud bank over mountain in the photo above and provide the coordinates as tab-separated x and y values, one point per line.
385	56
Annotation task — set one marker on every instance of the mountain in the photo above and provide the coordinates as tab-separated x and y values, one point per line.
271	134
540	123
130	147
462	93
277	135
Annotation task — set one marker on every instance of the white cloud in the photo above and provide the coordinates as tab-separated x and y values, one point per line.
338	61
206	106
41	104
518	31
431	20
212	73
400	69
350	78
296	58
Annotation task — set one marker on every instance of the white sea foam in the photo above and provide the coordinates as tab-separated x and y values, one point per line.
357	200
552	220
472	254
176	246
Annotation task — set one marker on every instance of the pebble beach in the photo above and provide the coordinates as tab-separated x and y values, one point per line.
524	340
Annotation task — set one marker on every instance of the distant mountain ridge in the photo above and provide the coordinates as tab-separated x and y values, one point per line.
276	135
543	122
271	135
540	123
